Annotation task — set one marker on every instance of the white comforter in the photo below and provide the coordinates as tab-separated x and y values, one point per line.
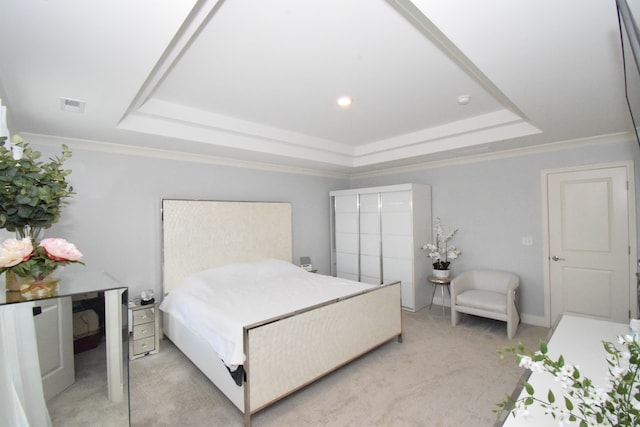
215	304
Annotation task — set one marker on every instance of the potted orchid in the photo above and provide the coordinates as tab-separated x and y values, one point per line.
440	252
34	265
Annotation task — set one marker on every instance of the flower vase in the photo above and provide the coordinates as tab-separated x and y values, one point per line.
31	232
32	288
11	281
441	274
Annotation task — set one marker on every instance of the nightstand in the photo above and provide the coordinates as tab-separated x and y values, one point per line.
145	338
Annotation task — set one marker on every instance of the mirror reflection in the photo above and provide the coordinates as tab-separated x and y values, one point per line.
64	358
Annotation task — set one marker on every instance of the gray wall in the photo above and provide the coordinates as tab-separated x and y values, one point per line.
495	203
115	217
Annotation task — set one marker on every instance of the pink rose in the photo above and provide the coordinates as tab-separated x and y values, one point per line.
13	252
60	250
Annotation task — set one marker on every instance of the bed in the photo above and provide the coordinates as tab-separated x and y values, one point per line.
281	351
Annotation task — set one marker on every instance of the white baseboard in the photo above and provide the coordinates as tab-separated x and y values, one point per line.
529	319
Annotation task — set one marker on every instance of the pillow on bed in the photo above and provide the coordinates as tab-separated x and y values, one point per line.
263	268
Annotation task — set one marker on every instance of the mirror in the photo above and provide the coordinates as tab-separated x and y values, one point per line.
77	341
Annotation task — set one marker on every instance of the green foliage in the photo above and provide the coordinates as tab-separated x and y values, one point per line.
32	192
617	403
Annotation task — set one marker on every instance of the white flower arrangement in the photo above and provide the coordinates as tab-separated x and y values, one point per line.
440	252
617	404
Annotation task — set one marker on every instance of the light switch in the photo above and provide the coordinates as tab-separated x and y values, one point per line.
527	241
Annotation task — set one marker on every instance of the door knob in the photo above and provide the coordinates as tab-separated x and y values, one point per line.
557	258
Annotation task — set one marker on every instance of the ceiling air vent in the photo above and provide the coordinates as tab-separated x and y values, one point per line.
73	105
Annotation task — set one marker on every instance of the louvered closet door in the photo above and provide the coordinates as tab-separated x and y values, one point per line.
397	242
346	236
370	266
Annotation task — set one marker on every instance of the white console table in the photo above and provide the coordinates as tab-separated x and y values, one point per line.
579	340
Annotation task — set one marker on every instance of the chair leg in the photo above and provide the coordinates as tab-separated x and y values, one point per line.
512	328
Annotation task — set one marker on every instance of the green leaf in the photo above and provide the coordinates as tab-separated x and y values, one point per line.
529	388
543	348
568	404
550	397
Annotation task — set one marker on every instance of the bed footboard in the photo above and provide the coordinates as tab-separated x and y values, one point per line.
288	353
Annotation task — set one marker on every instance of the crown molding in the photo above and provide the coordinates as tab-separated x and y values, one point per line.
113	148
504	154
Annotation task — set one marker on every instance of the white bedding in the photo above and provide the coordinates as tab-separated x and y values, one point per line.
215	304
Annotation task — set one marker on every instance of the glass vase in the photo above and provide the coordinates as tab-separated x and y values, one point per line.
11	281
32	288
31	232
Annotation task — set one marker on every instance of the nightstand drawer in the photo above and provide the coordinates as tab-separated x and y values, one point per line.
145	330
145	315
144	345
144	334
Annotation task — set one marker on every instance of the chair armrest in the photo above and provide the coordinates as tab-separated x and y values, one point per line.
489	280
513	284
461	283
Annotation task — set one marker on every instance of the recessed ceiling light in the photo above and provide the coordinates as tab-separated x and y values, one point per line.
344	101
464	99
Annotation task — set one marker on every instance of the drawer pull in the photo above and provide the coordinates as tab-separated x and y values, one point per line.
144	346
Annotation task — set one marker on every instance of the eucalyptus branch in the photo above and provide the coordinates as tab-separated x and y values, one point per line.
32	193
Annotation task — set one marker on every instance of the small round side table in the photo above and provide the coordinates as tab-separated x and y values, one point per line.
443	282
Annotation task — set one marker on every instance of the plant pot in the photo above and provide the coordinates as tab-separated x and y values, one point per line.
441	274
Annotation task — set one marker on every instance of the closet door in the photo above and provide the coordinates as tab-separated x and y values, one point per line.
397	242
347	236
370	265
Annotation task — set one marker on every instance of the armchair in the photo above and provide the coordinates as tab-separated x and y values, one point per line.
486	293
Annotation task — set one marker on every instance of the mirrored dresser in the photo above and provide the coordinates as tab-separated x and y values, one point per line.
38	360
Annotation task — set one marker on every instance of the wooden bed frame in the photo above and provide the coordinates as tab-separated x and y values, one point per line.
283	354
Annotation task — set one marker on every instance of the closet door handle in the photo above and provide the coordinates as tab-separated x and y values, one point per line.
557	258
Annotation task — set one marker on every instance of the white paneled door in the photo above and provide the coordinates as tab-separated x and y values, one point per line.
54	332
589	247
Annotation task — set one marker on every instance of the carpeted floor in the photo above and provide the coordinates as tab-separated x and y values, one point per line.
438	376
86	402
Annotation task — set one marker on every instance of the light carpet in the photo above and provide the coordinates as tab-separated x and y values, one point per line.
438	376
86	402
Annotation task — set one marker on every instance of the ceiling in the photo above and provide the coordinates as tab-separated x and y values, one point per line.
257	81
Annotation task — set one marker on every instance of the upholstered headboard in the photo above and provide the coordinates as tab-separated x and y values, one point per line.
199	234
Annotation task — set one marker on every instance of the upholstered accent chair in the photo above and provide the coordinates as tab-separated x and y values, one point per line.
486	293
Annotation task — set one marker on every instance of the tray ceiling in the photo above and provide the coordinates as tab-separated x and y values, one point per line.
258	81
